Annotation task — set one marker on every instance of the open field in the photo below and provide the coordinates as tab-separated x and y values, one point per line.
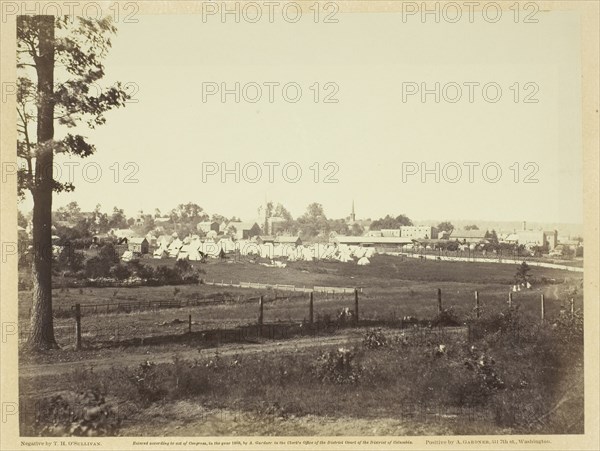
279	365
391	288
392	279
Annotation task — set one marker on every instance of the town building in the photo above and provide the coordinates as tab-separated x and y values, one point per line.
275	225
409	232
242	230
139	245
207	226
418	232
547	238
288	240
265	239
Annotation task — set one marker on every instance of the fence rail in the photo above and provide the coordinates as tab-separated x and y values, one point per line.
500	259
283	287
348	316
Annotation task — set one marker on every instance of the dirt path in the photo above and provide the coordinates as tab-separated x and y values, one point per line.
135	357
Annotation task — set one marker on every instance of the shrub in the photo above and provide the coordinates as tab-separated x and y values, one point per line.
97	267
180	379
144	272
109	253
373	339
507	322
522	274
69	259
183	266
120	272
73	414
337	367
167	276
447	317
483	366
189	378
148	382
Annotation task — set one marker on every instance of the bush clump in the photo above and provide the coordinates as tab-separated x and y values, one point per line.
338	367
154	382
373	339
446	318
83	414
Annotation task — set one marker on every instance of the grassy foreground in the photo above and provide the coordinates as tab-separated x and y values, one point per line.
509	375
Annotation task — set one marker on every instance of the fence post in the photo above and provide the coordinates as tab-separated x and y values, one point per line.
543	307
509	300
77	326
439	297
476	304
310	309
260	311
190	323
572	307
356	305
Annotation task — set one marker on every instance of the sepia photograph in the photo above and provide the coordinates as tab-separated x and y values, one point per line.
299	225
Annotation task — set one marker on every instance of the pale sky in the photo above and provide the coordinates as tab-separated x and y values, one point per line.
368	135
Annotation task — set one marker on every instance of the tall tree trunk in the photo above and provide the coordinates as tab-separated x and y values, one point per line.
42	327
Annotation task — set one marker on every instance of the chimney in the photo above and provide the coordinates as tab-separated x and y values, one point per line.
524	225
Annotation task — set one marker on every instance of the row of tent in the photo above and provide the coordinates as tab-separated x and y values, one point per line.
196	250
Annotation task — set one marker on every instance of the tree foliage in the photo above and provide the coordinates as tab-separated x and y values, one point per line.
80	45
390	222
313	222
445	226
492	237
522	274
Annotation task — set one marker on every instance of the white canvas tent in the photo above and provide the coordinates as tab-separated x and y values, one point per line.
183	253
194	250
360	252
364	261
174	247
164	241
227	244
127	256
161	252
210	248
307	253
266	250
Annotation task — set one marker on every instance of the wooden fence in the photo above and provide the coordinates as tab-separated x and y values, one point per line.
347	317
498	259
283	287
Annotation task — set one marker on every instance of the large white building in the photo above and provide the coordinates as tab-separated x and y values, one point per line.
418	232
407	232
